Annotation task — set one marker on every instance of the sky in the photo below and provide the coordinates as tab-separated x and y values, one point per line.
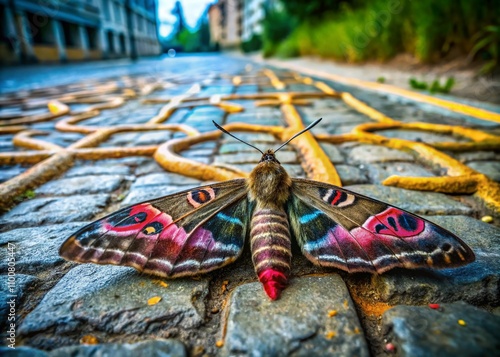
192	12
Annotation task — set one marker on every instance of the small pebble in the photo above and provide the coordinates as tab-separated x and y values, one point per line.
89	340
487	219
154	300
332	313
330	334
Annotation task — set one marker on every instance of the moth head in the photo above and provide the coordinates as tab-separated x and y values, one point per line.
269	156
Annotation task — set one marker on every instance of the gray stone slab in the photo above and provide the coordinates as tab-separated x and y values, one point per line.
238	158
153	348
36	248
147	193
81	185
98	170
414	201
379	172
12	288
6	173
419	136
165	178
152	137
489	168
22	351
351	175
115	300
478	282
478	156
297	324
148	167
344	128
255	138
294	170
420	331
333	153
363	154
232	147
42	211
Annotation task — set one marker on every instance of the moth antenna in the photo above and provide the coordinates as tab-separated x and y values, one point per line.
228	133
309	127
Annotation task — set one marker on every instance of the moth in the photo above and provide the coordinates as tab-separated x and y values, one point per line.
204	228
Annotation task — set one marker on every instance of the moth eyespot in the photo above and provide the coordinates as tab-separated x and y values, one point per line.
153	228
198	197
336	197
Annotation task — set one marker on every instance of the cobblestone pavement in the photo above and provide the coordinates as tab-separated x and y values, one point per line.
78	144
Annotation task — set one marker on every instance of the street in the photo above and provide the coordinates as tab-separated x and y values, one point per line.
80	141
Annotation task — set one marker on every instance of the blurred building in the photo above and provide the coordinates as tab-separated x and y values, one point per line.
253	14
214	24
226	17
75	30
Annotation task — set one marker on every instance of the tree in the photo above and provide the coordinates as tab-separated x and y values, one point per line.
313	9
181	22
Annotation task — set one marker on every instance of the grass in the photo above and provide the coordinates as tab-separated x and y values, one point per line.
430	30
434	87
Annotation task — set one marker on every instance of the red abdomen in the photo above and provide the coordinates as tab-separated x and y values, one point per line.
271	249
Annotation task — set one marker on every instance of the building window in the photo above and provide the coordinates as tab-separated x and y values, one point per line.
111	42
92	37
122	44
118	13
71	34
41	29
105	8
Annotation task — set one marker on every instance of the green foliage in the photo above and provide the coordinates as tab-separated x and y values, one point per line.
288	48
253	44
277	26
381	79
26	195
487	42
360	30
313	8
435	87
416	84
188	40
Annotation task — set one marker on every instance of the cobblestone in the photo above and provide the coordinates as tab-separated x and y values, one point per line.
81	185
50	210
115	300
489	168
363	154
379	172
298	323
420	331
37	248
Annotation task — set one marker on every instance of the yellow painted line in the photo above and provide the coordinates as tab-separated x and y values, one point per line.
387	88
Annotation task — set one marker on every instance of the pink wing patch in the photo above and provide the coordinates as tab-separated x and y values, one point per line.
395	222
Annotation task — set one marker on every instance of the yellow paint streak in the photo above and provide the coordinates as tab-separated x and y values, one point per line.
315	162
275	81
386	88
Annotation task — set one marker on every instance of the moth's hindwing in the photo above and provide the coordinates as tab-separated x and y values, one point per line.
187	233
339	228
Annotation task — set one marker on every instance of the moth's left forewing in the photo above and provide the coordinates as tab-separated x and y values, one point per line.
339	228
186	233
